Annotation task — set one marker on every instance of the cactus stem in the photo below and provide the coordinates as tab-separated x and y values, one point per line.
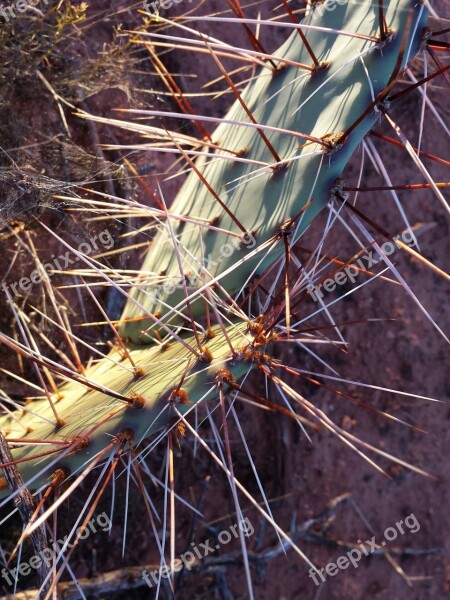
242	103
208	186
183	275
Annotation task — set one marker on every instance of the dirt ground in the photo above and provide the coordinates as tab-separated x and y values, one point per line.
390	344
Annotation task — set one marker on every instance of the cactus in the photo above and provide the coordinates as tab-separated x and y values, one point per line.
287	177
254	188
303	116
111	397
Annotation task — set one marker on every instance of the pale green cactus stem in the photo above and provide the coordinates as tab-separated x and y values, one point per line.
140	400
322	104
261	197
